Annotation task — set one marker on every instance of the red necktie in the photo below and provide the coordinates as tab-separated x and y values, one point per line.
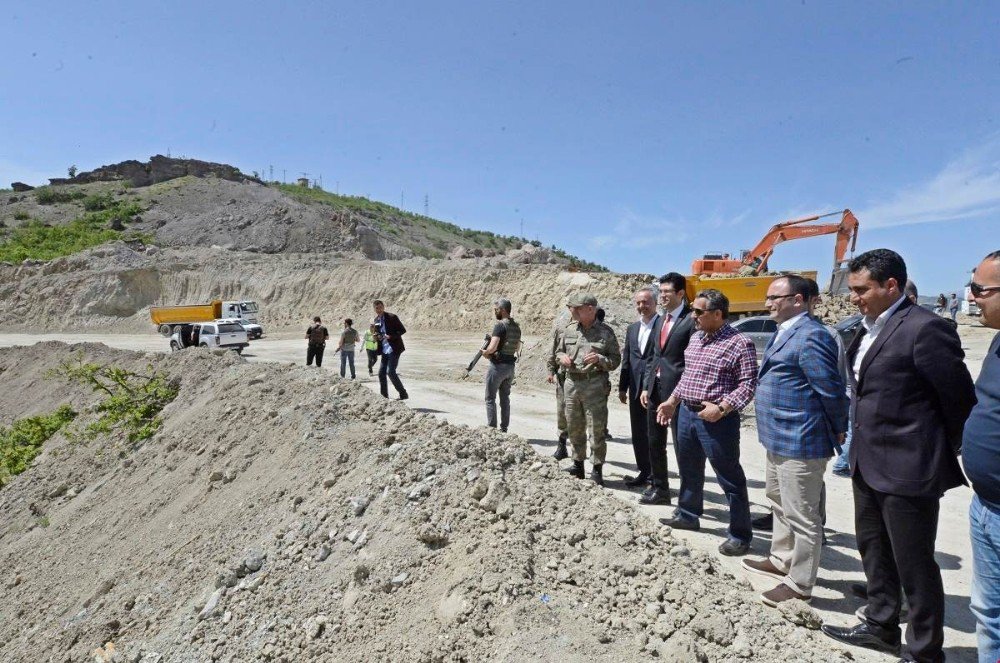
665	331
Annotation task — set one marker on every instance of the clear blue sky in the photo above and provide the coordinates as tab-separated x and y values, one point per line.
635	134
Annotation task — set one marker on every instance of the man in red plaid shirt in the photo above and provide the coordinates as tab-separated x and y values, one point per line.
719	380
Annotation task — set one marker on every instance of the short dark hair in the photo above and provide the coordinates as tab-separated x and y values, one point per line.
600	314
676	280
910	289
799	285
882	264
716	301
316	319
378	302
348	322
813	287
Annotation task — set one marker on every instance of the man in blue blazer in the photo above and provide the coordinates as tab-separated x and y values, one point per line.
801	406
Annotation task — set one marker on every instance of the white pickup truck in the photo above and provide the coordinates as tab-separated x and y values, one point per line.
226	334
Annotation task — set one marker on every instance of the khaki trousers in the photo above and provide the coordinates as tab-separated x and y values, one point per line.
793	487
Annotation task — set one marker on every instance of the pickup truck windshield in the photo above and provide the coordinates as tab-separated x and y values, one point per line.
228	327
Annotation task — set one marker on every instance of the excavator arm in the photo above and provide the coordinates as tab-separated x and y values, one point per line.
755	261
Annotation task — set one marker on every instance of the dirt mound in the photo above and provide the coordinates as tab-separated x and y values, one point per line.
283	514
113	286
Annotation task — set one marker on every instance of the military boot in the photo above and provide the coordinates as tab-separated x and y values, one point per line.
561	447
576	469
597	475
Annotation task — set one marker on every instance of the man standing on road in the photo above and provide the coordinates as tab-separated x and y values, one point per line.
801	407
912	395
636	354
557	376
502	354
672	333
588	351
981	458
316	335
348	338
953	307
720	375
390	338
371	347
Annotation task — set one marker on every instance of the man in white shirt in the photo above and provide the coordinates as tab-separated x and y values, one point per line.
636	353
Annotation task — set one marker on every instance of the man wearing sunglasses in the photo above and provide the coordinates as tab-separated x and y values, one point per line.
719	379
912	395
981	458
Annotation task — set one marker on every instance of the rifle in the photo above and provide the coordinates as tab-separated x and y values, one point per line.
479	355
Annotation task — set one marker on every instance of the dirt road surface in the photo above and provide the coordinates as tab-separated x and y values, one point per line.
431	368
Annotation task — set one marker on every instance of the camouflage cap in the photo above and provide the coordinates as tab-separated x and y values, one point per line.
581	299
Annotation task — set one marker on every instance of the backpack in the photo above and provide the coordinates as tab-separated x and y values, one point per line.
317	335
351	336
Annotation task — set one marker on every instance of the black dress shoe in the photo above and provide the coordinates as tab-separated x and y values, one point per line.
863	635
734	548
404	396
636	481
655	496
764	523
680	522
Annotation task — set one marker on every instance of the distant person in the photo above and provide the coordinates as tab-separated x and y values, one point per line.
588	350
505	340
719	379
348	339
371	347
801	406
390	338
636	354
910	290
317	335
912	395
953	307
672	332
981	459
942	304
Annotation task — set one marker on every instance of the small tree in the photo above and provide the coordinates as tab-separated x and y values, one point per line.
72	170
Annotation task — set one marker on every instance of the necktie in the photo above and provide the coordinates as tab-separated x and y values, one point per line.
665	331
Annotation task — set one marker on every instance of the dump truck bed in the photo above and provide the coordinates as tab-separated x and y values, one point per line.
746	293
173	315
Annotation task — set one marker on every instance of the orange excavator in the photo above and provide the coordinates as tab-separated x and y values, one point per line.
754	261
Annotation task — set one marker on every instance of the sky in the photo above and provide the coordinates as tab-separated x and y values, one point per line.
639	135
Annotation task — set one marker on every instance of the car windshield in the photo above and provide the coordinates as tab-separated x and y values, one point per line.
848	322
227	327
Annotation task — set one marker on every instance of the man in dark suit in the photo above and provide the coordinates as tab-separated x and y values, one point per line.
912	395
670	337
390	339
636	353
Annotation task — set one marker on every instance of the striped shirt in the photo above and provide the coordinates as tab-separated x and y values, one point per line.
720	367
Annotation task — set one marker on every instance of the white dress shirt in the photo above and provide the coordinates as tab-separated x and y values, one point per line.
873	328
645	330
786	325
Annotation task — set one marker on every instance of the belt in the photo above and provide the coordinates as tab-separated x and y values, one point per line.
694	407
577	377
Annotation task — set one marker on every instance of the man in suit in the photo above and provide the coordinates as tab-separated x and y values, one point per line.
636	353
801	406
390	337
671	334
912	395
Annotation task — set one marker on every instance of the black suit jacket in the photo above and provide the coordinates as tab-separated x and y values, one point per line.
634	360
669	359
911	399
395	329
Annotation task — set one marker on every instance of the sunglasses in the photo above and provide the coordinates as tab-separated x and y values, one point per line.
697	311
979	290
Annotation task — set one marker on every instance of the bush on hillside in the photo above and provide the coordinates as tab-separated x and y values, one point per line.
22	442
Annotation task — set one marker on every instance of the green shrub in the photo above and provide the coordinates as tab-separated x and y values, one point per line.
22	442
48	196
98	202
132	403
21	215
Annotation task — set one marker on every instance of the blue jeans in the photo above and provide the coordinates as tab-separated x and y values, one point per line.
388	369
842	462
347	357
984	528
719	442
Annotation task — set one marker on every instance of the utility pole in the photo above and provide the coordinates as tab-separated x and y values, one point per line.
400	200
427	205
338	187
270	173
284	176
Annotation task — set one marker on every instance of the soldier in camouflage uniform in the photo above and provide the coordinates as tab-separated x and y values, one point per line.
557	376
588	350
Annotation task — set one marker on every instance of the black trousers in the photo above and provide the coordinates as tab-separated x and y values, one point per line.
656	436
896	537
640	435
315	352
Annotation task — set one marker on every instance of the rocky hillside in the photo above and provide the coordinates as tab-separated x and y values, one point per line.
190	203
272	519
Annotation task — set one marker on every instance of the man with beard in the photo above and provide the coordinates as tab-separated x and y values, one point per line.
502	354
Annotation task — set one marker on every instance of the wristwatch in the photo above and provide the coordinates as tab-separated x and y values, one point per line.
724	408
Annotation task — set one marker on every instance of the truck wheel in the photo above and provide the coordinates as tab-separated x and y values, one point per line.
203	345
165	330
174	347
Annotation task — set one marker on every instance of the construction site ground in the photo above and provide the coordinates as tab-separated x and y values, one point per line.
432	368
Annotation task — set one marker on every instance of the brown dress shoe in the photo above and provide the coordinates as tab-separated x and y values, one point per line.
782	593
763	567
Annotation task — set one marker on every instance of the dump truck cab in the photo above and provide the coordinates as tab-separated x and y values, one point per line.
246	312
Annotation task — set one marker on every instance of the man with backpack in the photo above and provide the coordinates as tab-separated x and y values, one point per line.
316	334
348	338
502	353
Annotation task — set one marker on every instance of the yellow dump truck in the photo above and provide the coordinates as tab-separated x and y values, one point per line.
169	318
746	293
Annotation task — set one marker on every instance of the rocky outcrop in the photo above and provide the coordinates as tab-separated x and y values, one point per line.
158	169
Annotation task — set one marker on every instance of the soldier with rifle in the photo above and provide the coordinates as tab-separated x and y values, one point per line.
501	351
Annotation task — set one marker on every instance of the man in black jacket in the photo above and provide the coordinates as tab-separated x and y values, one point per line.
390	340
636	353
912	395
670	338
